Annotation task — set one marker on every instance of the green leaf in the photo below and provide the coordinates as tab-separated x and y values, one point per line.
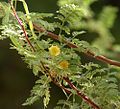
31	100
36	70
15	41
46	98
69	13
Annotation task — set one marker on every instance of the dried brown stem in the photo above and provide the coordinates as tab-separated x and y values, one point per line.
88	53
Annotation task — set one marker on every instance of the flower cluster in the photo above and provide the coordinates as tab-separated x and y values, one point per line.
55	51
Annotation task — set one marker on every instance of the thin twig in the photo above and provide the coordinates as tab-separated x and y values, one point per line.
53	79
62	87
88	53
21	24
83	96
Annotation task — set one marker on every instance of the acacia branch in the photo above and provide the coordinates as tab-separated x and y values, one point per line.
79	93
60	86
21	24
83	96
53	79
88	53
56	37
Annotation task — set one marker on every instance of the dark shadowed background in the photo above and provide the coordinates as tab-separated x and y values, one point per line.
16	80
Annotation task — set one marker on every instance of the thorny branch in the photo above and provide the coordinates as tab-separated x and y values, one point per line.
21	24
83	96
56	37
79	93
88	53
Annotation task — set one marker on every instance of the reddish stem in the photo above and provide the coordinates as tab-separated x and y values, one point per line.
88	53
62	87
21	24
83	96
104	59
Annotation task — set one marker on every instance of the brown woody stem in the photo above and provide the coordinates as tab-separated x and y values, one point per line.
21	24
88	53
83	96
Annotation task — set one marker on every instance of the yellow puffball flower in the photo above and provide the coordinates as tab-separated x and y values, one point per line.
64	64
54	50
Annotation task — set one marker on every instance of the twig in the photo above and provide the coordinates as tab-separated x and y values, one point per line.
21	24
53	79
62	87
88	53
104	59
83	96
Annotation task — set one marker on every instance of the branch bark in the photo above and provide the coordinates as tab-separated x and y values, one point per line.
21	24
88	53
79	93
83	96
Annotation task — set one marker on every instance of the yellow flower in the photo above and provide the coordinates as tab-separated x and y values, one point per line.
54	50
64	64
